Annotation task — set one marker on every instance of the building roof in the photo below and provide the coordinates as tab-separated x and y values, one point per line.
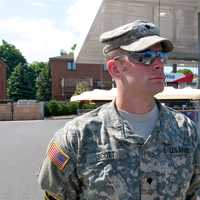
63	57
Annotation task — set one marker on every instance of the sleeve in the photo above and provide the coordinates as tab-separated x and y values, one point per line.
57	176
193	192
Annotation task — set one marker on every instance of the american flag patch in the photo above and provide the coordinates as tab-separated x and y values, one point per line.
57	156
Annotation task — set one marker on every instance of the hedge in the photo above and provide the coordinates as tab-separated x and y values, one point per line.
56	108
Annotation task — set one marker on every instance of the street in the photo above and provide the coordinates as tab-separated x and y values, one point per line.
22	147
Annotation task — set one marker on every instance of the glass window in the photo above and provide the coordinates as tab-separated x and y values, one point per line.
71	66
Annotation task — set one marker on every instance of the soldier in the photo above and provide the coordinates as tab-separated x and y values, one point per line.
133	148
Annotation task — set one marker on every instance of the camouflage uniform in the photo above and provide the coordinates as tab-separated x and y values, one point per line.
107	161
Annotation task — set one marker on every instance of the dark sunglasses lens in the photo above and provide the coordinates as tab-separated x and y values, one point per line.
141	59
148	57
149	54
147	60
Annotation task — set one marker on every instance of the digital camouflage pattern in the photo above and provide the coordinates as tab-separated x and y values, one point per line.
136	36
107	161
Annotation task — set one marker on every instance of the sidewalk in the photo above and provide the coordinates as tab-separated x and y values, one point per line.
60	117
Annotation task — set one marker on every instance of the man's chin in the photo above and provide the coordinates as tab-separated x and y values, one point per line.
158	90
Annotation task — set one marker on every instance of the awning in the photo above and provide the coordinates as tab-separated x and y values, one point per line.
95	95
184	93
168	93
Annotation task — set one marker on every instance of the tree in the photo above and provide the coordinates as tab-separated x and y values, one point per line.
43	84
80	88
11	56
21	83
37	67
63	52
73	48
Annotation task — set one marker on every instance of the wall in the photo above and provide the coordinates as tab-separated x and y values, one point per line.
21	111
5	111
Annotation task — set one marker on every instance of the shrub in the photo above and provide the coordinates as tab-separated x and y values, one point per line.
53	108
88	106
56	108
72	107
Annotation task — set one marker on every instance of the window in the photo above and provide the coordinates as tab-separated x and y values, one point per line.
71	66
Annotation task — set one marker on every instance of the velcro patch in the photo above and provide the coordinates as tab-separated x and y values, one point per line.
51	196
57	156
177	149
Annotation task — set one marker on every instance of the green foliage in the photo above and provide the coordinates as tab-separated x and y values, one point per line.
38	67
81	87
43	83
63	52
72	49
21	83
11	56
88	106
56	108
72	107
184	71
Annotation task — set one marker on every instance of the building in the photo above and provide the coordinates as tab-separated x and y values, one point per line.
3	67
66	74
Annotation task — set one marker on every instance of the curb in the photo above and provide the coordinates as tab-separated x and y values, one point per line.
60	117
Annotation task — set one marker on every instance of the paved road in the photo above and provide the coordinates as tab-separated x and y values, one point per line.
22	146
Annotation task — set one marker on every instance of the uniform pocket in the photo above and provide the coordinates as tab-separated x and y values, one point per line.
102	173
179	171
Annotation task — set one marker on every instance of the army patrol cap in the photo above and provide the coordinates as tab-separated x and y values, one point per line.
136	36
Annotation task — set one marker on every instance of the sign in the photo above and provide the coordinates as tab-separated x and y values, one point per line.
172	77
178	77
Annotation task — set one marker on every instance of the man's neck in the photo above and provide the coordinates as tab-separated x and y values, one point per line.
137	105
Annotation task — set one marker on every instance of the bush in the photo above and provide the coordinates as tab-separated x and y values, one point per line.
88	106
56	108
72	107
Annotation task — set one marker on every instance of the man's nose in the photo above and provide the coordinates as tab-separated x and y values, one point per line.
157	64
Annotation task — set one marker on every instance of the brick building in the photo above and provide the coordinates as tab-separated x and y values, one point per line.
3	67
66	74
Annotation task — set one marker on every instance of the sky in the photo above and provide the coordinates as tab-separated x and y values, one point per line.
40	29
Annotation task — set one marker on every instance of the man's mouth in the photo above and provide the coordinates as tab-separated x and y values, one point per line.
157	78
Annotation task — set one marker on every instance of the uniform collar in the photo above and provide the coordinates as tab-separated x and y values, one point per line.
164	126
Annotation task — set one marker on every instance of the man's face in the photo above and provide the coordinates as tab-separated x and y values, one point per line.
141	79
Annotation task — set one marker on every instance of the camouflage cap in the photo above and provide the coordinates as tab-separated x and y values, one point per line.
136	36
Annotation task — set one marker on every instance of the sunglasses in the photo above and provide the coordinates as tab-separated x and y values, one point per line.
146	57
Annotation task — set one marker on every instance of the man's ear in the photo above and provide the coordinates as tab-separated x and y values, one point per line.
113	68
